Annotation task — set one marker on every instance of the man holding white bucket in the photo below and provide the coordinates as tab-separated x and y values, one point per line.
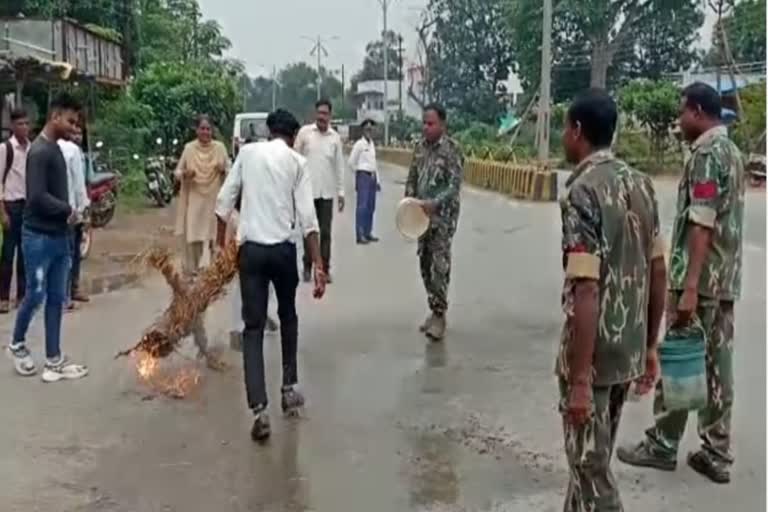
434	178
613	298
704	283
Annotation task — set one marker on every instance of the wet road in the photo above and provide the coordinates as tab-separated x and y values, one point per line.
393	424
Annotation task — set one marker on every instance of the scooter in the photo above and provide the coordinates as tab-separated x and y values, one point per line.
159	185
103	186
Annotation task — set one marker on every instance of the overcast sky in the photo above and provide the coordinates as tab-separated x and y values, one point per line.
269	32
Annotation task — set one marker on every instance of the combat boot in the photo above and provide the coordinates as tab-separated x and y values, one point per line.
645	456
436	331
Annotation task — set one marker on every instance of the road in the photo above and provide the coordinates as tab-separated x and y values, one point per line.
392	423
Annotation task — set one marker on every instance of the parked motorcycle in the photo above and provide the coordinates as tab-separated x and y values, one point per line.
159	183
102	185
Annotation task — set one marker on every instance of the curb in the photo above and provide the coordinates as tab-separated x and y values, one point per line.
108	283
530	182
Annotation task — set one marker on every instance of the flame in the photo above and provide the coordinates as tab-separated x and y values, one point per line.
178	382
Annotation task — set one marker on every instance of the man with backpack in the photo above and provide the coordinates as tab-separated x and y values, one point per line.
13	159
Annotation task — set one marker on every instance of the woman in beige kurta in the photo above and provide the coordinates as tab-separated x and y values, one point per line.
201	169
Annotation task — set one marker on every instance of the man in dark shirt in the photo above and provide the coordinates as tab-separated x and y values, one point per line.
45	244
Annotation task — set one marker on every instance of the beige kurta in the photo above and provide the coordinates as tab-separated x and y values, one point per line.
195	216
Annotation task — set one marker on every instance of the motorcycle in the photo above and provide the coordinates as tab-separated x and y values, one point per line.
159	183
102	185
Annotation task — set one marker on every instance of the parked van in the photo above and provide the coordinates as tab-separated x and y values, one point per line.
251	127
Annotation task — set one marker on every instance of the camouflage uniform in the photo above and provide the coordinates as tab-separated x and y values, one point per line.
711	194
436	174
610	234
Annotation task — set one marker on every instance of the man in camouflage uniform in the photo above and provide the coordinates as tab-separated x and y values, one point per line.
435	176
613	299
704	282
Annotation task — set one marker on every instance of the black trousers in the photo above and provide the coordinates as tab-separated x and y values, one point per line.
260	265
74	274
324	210
12	248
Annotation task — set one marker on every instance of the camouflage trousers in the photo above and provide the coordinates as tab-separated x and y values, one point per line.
435	264
588	449
716	318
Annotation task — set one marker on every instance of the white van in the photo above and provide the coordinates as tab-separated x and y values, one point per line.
251	127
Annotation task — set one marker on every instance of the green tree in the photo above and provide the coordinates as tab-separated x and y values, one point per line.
655	105
601	41
373	64
470	55
744	25
751	124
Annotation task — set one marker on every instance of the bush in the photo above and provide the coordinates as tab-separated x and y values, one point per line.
751	124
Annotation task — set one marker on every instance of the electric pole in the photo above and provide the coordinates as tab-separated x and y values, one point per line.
319	51
385	46
542	124
274	88
400	76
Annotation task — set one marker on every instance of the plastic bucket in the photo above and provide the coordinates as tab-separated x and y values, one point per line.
684	373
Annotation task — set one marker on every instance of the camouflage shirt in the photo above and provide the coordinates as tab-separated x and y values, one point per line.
436	173
711	194
610	234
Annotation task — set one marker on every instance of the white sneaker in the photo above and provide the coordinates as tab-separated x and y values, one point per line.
63	369
22	359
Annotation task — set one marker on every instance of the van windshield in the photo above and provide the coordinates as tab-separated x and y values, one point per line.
253	129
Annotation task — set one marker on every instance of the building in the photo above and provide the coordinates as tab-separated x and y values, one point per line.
369	100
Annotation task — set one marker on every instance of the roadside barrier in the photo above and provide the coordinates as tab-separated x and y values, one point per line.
521	181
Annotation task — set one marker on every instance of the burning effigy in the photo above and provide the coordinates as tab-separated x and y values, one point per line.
190	297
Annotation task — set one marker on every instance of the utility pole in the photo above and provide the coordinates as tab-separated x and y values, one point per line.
343	93
385	46
319	51
400	76
542	125
274	88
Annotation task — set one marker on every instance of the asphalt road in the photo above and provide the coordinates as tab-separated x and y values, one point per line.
392	423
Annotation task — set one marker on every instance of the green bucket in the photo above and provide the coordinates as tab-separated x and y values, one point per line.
684	371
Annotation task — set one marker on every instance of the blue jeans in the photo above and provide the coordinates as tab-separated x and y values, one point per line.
47	259
365	185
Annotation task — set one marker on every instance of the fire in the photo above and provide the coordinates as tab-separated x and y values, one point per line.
177	382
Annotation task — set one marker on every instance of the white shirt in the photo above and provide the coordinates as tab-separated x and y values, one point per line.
78	192
363	156
276	193
325	160
15	186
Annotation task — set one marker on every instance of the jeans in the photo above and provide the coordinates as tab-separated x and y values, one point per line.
47	259
73	284
365	185
12	248
324	210
260	265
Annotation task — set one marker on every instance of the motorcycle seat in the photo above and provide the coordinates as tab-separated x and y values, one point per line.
100	177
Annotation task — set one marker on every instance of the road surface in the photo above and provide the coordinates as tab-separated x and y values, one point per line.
393	424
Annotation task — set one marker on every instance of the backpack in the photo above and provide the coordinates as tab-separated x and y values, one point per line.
8	159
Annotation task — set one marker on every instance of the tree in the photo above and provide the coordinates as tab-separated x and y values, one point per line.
745	28
470	54
298	89
655	104
176	93
605	39
373	64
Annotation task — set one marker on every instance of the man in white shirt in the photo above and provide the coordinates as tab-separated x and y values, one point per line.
322	147
362	161
79	201
275	194
13	161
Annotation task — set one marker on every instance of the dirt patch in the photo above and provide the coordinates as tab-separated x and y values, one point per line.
115	247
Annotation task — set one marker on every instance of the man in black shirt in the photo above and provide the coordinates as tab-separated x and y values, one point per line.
45	244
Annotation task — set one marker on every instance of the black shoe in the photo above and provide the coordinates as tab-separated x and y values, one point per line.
307	275
362	241
710	467
261	430
292	402
372	239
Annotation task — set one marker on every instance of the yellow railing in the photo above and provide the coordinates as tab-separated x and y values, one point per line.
521	181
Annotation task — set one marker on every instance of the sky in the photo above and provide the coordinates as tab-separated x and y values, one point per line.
270	32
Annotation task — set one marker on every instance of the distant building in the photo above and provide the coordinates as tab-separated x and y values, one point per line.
370	100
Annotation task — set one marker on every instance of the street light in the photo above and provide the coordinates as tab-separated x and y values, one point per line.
319	51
